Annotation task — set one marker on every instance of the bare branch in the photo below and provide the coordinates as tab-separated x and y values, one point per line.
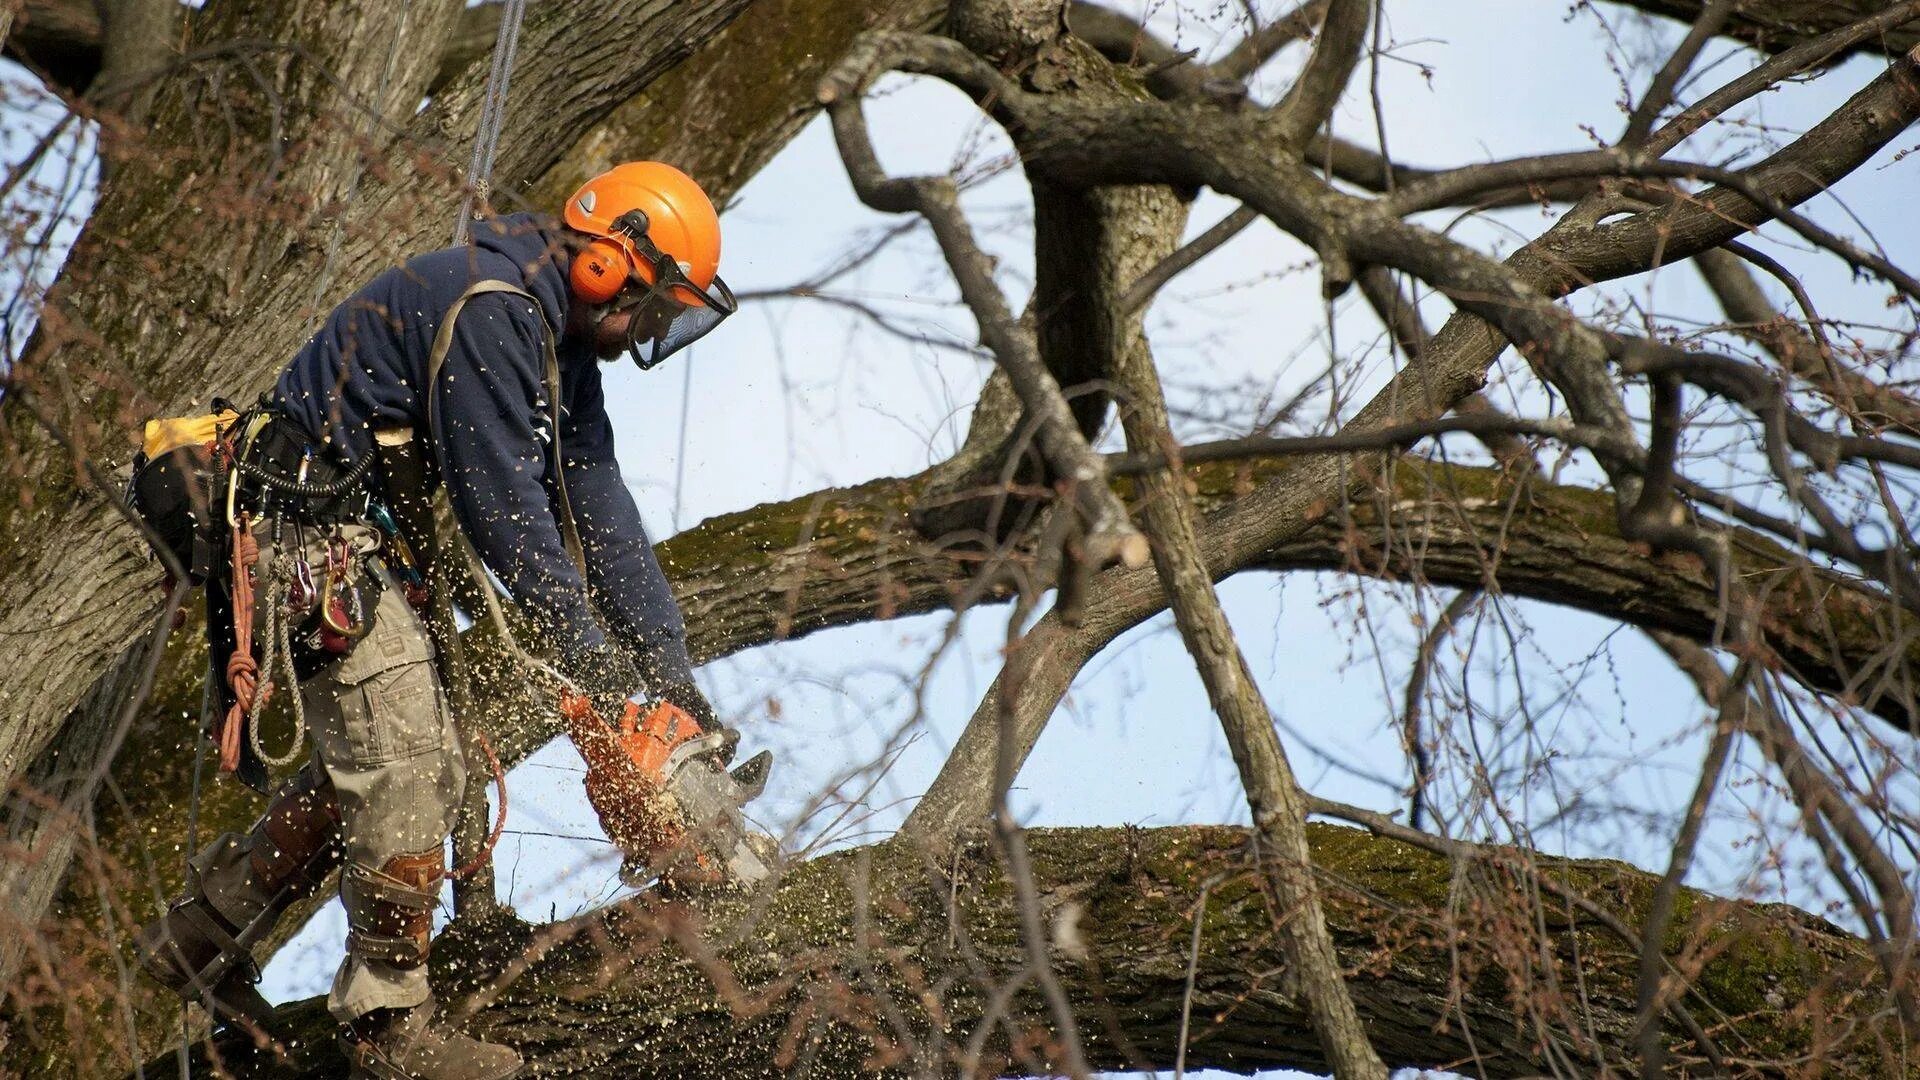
1653	998
1310	100
1143	290
1273	794
1755	317
1413	701
1713	15
1395	436
1818	796
1110	536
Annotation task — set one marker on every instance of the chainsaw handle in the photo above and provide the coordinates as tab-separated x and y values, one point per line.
664	720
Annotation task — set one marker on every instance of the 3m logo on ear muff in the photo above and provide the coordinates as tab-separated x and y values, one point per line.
601	271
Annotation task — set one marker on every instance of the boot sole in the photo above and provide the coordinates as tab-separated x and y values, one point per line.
230	1001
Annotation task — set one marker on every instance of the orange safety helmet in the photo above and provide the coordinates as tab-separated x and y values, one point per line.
681	223
650	222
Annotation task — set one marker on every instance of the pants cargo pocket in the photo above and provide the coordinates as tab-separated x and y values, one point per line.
387	696
392	716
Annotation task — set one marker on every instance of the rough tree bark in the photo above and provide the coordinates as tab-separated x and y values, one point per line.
705	112
806	979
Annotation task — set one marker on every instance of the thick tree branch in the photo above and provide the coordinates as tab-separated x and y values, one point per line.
652	989
1336	52
1776	25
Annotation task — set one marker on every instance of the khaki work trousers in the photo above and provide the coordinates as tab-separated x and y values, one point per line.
383	734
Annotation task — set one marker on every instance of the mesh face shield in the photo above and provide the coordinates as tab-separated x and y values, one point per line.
694	311
688	323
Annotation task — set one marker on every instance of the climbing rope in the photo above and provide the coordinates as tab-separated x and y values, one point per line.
280	641
493	114
485	854
486	143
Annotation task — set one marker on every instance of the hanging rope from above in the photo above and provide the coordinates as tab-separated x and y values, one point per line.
486	142
493	114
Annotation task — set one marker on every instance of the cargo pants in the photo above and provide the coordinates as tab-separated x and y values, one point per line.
385	745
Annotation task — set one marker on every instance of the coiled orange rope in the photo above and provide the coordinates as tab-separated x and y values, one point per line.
243	671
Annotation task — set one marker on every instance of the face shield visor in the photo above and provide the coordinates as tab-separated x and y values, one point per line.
670	312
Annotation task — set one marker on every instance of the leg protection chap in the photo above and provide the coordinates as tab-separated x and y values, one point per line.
297	844
238	888
390	910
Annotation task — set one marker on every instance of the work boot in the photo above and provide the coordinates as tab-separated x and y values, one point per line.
236	890
405	1044
192	951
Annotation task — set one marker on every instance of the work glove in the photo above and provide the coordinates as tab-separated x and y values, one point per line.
688	698
691	701
607	675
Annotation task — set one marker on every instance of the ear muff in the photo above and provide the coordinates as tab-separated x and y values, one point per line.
601	271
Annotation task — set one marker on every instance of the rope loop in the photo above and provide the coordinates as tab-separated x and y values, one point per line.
280	641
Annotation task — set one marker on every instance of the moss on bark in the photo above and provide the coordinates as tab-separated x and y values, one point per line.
745	989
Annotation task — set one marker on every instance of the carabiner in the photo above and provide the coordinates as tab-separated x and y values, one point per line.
301	593
341	615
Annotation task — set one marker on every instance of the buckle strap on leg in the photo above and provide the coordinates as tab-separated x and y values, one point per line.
377	887
390	910
400	950
233	951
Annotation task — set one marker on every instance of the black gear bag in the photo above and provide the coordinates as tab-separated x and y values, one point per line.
178	486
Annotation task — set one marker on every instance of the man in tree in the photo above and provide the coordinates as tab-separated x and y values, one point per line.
489	351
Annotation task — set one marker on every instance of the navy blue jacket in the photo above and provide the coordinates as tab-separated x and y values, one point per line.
493	447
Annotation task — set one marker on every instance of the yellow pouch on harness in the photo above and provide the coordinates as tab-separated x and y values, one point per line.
177	431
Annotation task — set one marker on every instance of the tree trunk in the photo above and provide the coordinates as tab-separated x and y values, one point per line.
843	968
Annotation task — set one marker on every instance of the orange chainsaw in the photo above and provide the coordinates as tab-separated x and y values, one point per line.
665	796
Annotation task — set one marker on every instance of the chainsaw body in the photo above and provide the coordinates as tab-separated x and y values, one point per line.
662	789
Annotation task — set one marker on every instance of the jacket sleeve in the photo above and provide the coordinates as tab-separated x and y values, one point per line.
492	436
629	588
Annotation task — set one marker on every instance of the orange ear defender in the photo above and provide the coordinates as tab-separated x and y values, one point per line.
600	271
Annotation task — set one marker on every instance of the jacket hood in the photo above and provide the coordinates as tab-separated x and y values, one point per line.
532	242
